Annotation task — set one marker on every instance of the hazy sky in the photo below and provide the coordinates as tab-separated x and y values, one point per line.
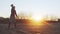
36	7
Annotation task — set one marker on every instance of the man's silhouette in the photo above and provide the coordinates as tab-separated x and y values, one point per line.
12	16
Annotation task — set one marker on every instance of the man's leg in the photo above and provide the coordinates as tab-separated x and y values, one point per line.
15	24
9	25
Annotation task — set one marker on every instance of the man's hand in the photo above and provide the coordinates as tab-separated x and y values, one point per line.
17	16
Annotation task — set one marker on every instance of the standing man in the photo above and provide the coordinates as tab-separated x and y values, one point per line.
12	16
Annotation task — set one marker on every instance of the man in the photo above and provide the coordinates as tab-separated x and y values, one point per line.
12	16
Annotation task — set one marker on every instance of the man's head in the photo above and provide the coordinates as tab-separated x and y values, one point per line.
12	5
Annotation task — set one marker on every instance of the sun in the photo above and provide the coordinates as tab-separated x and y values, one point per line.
37	18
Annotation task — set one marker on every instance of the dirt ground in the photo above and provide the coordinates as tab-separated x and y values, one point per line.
47	28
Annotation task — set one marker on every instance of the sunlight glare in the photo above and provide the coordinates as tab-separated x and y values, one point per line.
37	18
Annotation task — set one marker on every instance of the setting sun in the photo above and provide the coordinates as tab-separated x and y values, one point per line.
36	18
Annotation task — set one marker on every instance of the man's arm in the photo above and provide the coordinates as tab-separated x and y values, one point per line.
15	13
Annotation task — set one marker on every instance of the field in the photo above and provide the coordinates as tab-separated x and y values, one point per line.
22	28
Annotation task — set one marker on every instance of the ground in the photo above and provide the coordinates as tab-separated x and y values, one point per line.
47	28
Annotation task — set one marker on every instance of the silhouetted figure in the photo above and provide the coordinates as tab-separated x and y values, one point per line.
12	16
